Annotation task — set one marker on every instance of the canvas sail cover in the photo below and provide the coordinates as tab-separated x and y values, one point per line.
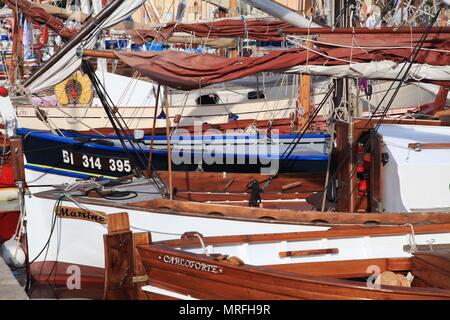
277	30
263	30
40	16
193	71
67	65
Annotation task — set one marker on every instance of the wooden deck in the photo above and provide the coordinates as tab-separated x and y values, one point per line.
9	287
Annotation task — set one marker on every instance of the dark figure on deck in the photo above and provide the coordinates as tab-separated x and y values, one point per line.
255	193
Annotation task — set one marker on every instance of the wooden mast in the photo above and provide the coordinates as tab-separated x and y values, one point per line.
443	17
149	166
169	156
304	96
232	12
16	49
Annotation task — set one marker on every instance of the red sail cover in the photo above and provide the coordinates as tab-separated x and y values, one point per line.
40	16
263	30
193	71
276	30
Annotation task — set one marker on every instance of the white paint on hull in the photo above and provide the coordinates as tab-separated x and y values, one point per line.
420	180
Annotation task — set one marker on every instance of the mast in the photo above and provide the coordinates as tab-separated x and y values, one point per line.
232	12
169	150
150	157
304	95
15	47
282	13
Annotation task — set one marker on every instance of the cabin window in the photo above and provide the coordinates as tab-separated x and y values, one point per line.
253	95
208	99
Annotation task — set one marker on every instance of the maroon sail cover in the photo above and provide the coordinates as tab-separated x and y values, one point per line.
40	16
263	30
276	30
193	71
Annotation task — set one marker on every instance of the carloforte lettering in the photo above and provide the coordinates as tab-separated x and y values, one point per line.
81	214
190	264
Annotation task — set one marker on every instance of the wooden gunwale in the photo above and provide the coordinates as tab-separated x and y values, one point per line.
230	212
334	233
296	216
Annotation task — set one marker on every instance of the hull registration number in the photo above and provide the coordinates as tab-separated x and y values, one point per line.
79	159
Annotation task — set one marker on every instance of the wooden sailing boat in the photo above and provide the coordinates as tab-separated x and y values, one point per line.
278	102
168	219
275	266
355	204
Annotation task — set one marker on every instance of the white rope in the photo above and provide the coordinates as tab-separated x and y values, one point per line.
205	250
82	182
318	52
293	38
412	239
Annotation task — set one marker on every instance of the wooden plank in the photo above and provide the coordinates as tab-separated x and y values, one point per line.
420	146
238	182
140	276
216	196
431	273
303	253
291	185
334	233
119	261
17	159
361	123
118	222
342	151
204	209
439	258
344	269
119	265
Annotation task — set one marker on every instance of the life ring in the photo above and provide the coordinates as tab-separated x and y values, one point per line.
75	90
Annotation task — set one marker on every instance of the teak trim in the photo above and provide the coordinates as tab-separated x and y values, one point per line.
420	146
334	233
311	252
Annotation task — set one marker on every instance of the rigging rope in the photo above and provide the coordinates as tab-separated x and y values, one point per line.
119	125
403	75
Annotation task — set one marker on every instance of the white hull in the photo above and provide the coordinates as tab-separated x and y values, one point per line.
419	179
68	246
137	100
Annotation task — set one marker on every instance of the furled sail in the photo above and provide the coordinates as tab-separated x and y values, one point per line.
40	16
63	64
193	71
263	30
276	30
